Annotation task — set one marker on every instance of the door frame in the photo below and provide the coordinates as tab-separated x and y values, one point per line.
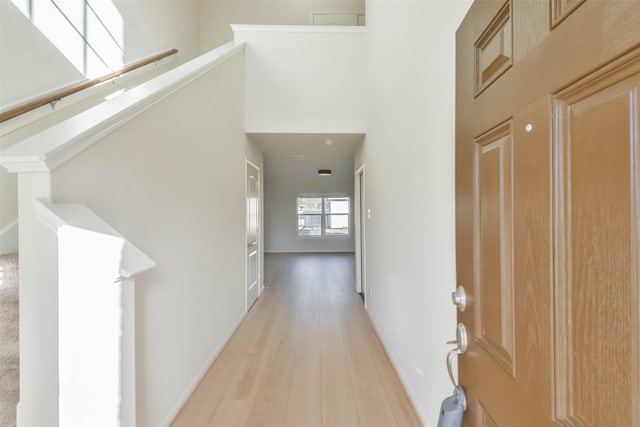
360	232
249	164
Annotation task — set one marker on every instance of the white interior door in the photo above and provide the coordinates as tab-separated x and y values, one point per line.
363	282
360	233
253	233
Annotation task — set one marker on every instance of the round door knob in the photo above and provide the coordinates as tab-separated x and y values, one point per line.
459	298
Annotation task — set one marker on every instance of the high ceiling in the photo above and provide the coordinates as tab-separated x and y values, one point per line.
299	156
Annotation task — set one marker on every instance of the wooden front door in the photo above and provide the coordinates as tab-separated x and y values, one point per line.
548	212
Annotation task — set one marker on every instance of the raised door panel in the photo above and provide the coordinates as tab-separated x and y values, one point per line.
598	217
493	50
493	248
253	207
560	9
484	419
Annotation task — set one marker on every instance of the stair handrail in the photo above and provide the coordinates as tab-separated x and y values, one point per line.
57	96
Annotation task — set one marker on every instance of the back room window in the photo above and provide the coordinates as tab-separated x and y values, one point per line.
323	215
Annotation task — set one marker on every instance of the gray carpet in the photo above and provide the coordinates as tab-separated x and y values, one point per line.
9	361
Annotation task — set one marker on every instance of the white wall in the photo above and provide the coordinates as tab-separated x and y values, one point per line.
409	158
172	181
304	79
217	16
281	215
151	26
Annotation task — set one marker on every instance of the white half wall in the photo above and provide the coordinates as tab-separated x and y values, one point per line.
409	157
172	180
304	79
216	16
281	219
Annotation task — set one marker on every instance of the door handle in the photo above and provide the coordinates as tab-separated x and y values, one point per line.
462	338
461	342
459	298
253	244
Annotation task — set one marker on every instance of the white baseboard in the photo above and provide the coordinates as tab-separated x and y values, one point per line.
394	361
9	239
173	413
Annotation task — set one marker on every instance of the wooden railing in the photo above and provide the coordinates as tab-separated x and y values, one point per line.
57	96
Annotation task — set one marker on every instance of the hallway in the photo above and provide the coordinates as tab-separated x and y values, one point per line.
305	355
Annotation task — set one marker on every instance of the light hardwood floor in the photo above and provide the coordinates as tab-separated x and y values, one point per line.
306	355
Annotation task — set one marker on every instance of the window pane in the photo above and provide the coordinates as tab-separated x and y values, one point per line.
309	205
57	29
110	17
73	10
336	205
102	42
95	66
336	225
309	225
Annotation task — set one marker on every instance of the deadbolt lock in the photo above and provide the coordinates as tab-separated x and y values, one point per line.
459	298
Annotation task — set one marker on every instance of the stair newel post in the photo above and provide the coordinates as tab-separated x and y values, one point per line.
96	317
91	329
38	310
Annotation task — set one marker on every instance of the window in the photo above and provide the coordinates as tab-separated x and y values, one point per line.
323	215
89	33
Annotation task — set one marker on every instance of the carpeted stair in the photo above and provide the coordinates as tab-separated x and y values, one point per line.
9	366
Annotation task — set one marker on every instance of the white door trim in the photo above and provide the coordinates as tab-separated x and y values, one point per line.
360	235
247	165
